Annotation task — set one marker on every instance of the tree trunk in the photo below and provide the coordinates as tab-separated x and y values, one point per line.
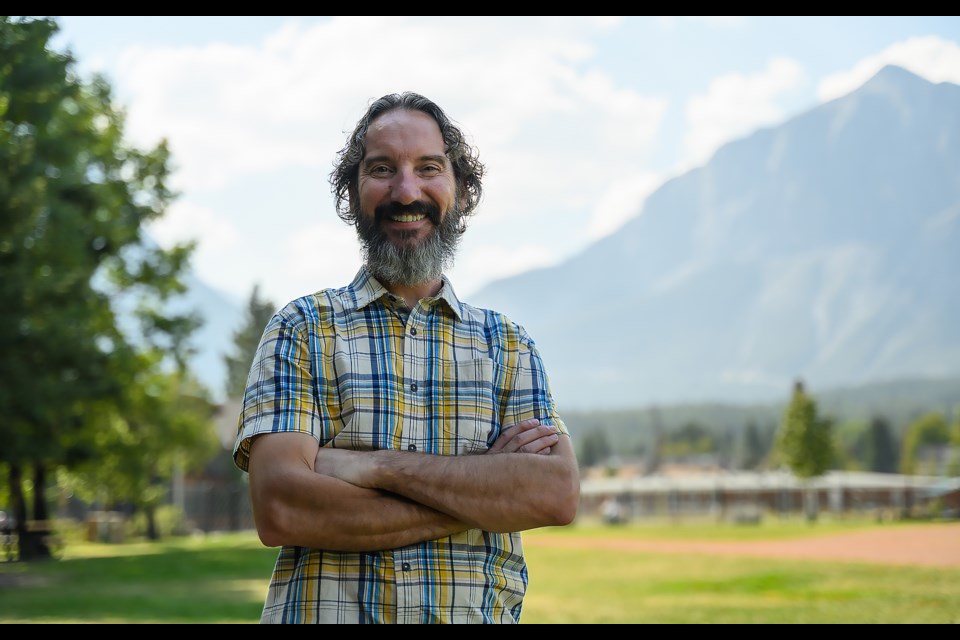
40	511
19	504
811	502
31	544
152	531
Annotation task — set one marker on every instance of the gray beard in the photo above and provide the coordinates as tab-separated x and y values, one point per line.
409	265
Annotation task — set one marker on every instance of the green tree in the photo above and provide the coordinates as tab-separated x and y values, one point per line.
881	451
162	427
753	448
73	202
922	441
594	448
245	342
805	443
954	467
690	439
850	438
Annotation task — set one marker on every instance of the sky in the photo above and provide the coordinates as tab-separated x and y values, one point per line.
576	118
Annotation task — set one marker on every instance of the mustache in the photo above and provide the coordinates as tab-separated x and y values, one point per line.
419	207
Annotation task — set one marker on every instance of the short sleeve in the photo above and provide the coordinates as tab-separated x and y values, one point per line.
279	395
530	395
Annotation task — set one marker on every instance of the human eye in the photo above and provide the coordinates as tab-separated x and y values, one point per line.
380	170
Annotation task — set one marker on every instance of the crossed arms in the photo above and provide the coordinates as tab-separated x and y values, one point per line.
343	500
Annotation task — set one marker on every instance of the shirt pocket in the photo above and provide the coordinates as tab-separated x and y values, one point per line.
466	407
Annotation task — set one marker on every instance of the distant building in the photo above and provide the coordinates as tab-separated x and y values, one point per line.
747	495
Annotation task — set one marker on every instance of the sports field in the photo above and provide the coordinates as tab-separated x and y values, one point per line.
670	572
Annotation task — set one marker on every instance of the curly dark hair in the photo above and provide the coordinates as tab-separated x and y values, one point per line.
467	168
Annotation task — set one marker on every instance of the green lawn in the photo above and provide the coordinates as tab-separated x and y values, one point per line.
222	579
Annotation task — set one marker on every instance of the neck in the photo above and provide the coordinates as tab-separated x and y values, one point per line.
412	294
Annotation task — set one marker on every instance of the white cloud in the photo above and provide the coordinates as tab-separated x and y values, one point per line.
489	262
736	104
319	256
184	221
931	57
623	200
553	130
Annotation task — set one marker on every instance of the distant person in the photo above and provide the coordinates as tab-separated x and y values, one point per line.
398	439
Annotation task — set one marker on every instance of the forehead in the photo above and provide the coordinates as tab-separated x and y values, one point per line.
404	133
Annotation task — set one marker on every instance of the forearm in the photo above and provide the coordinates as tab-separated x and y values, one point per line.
293	505
500	493
325	513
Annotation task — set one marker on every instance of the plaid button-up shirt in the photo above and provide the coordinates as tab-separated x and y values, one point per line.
349	367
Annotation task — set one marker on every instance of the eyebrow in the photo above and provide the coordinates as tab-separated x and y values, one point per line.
442	159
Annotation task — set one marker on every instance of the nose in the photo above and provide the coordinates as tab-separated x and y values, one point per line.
406	187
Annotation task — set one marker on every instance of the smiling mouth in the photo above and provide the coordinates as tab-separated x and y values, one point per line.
407	217
407	213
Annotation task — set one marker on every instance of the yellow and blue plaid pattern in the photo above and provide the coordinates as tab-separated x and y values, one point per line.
351	368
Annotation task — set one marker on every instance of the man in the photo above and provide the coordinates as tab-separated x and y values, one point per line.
397	439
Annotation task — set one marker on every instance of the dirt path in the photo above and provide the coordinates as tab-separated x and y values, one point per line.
927	545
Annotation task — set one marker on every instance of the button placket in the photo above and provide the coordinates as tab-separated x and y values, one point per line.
416	376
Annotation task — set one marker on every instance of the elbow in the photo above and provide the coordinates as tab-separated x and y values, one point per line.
269	537
272	522
567	509
567	502
268	530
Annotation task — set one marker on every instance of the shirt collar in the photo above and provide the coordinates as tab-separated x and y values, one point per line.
365	289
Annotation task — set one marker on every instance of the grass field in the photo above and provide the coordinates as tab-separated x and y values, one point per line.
222	579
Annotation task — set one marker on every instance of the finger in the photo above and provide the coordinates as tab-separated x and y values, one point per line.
509	433
532	440
541	443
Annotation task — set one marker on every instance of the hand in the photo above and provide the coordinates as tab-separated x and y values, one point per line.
528	436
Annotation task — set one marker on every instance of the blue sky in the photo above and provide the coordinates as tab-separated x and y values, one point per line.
577	118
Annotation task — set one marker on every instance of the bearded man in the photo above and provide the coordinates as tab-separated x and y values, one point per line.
397	439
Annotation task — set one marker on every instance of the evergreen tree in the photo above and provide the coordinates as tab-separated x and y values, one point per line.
881	450
805	443
245	341
753	448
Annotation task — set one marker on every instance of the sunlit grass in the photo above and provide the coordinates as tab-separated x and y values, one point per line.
223	579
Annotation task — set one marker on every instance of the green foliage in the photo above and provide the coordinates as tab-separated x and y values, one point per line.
863	446
753	447
691	439
164	428
850	440
924	436
245	341
170	521
593	449
881	450
74	199
805	441
953	468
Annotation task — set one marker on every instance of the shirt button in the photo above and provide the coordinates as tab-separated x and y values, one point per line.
413	331
411	447
405	566
413	387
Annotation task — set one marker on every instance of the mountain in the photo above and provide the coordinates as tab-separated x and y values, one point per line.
825	249
222	316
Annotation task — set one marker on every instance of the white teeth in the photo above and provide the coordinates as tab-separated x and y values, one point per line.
408	217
